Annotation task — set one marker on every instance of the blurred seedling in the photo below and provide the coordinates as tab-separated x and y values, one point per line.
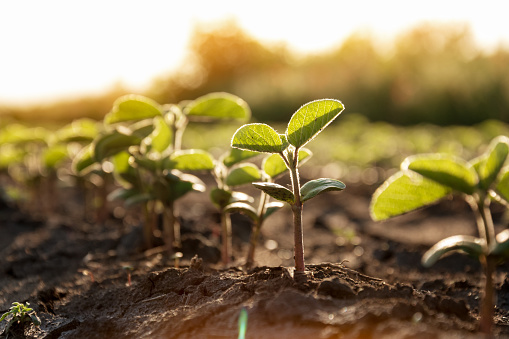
88	273
19	317
128	269
142	141
305	124
242	324
427	178
176	257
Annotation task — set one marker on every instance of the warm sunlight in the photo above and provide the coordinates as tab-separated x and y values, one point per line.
54	49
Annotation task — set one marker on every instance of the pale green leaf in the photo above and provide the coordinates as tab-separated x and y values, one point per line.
311	119
80	130
491	162
237	155
137	199
132	107
191	160
160	138
273	165
243	174
240	196
219	105
54	155
502	187
445	169
242	207
404	192
314	187
276	191
463	243
257	138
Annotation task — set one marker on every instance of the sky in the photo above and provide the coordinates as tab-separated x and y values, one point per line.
55	49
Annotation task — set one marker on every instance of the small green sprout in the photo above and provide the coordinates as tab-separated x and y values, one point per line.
427	178
305	124
21	316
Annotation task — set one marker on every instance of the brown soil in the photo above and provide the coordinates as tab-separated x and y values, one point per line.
364	279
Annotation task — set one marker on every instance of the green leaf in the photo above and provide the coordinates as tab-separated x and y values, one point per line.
237	155
220	197
464	243
84	159
502	244
243	174
314	187
218	106
445	169
113	143
272	207
176	185
54	155
273	165
491	162
276	191
242	207
191	160
160	138
122	194
125	174
257	138
132	107
80	130
404	192
311	119
502	187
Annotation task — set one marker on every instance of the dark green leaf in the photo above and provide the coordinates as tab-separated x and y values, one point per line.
137	199
314	187
113	143
243	174
276	191
257	138
218	106
464	243
220	197
502	244
311	119
243	208
84	159
445	169
404	192
132	107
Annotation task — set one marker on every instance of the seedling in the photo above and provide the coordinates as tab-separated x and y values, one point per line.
272	167
20	315
242	323
304	125
424	179
88	273
143	142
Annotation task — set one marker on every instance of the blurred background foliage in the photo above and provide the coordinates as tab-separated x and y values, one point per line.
431	74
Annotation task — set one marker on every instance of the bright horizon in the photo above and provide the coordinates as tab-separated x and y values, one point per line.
58	49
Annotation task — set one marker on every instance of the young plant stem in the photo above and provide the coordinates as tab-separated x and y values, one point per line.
148	225
487	312
256	231
169	233
226	237
297	213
